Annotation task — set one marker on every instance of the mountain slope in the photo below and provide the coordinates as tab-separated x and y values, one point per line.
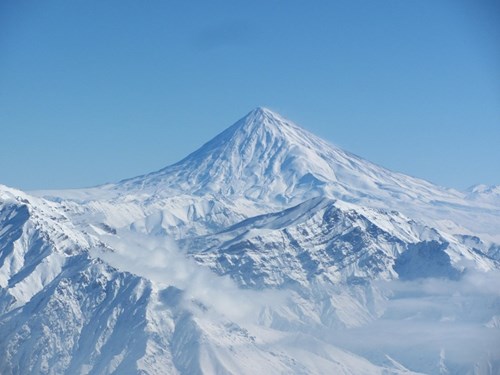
333	241
264	156
64	311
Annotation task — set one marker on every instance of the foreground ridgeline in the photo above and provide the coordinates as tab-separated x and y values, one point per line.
266	251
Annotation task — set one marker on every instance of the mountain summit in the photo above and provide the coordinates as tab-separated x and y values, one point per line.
266	161
264	156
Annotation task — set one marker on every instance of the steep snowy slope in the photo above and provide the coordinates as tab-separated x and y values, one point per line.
63	311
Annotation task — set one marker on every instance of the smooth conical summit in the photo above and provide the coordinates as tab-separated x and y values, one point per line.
266	158
262	117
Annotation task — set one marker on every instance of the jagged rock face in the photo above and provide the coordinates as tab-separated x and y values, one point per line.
267	250
322	240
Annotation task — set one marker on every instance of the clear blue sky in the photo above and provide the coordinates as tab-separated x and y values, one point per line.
93	91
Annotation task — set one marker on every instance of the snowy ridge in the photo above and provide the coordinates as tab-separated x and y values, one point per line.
333	241
484	193
267	250
84	316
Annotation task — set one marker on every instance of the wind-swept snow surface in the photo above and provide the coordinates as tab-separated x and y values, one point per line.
267	250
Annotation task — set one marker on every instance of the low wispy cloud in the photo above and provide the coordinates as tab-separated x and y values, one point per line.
159	259
435	325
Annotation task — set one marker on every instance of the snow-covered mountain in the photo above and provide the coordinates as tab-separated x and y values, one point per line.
265	162
484	193
267	250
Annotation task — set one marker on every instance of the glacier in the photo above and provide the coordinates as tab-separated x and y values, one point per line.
267	250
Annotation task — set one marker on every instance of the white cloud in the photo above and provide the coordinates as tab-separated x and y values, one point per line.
429	322
159	259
